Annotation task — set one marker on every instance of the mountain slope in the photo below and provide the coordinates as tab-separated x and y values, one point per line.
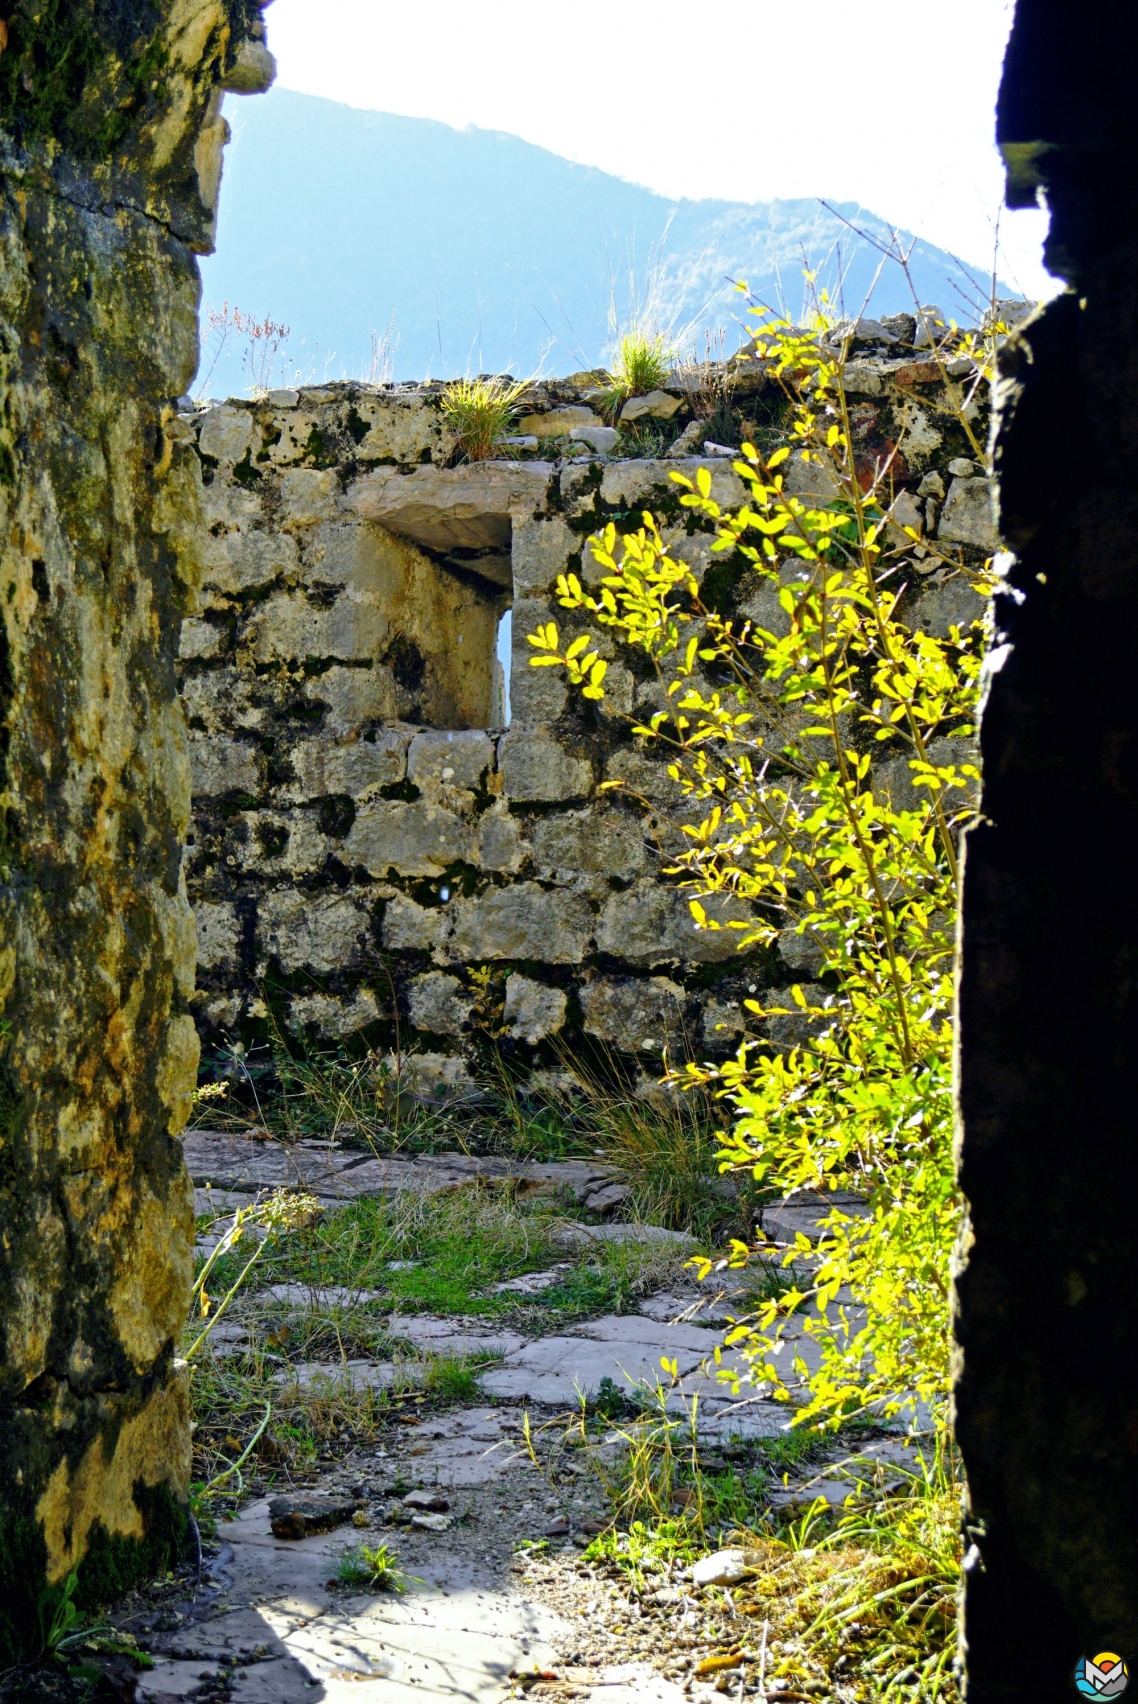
495	255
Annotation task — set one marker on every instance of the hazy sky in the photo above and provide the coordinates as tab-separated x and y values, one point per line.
886	102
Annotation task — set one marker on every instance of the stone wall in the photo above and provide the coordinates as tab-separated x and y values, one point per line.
365	831
111	139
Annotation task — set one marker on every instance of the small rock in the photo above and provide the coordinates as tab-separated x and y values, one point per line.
931	325
432	1523
710	449
610	1195
558	1528
724	1568
657	405
432	1501
873	331
299	1517
961	468
602	439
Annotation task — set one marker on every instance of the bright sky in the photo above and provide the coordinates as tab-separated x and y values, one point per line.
886	102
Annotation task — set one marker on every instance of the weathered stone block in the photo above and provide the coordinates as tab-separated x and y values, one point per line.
223	766
198	639
418	839
436	1078
541	551
283	844
557	422
538	696
633	1012
533	1010
219	935
793	1027
637	483
331	1017
406	428
323	932
521	922
309	495
809	480
724	1022
953	603
355	697
967	515
357	769
408	927
800	952
500	845
295	433
456	759
288	628
438	1003
448	508
534	767
598	843
221	701
240	562
226	433
650	924
648	777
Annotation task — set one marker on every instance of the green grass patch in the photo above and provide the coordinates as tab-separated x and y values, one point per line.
447	1253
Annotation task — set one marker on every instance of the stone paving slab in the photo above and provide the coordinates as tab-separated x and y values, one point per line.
453	1637
887	1459
172	1679
467	1447
580	1236
243	1164
311	1296
784	1221
454	1336
626	1348
349	1375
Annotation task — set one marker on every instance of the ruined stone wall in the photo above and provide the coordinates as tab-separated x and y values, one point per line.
365	832
110	150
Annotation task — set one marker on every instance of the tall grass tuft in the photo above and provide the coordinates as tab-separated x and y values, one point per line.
480	413
642	363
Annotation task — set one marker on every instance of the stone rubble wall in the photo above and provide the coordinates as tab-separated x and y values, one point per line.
110	140
365	830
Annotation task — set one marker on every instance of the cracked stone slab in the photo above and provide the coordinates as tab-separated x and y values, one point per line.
349	1375
801	1214
885	1460
532	1283
455	1637
240	1164
626	1348
314	1296
469	1447
581	1236
170	1678
454	1336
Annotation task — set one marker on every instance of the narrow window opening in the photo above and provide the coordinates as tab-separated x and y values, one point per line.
503	658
